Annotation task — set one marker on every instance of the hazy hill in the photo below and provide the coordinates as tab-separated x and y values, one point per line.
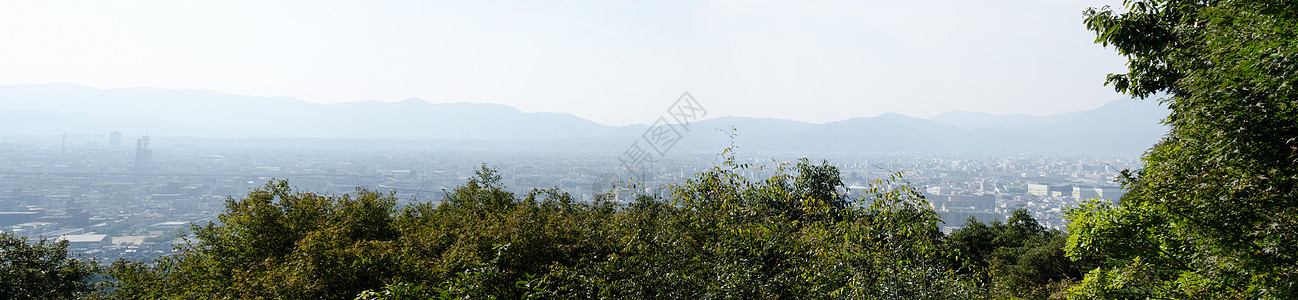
1120	115
165	112
1120	126
981	120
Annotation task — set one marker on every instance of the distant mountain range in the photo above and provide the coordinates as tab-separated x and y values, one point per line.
1119	126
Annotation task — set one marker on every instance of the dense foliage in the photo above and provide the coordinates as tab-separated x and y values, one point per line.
797	234
42	270
1017	258
1214	212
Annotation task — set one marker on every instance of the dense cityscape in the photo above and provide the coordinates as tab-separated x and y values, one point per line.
122	198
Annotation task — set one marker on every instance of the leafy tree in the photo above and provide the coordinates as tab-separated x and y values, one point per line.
281	243
798	234
42	270
1214	212
1017	258
795	235
276	243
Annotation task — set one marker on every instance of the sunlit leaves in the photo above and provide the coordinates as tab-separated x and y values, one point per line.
41	269
797	234
1218	196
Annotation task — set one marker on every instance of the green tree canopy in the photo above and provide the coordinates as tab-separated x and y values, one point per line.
1017	258
42	270
797	234
1213	214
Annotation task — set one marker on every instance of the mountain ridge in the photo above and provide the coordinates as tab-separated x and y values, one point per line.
1122	125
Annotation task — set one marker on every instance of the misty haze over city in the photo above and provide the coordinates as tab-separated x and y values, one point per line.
133	129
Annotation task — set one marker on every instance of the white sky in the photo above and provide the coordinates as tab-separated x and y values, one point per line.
611	61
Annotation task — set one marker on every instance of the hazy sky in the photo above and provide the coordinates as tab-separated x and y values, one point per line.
614	62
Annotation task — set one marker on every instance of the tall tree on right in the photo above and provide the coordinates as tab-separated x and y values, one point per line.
1213	214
